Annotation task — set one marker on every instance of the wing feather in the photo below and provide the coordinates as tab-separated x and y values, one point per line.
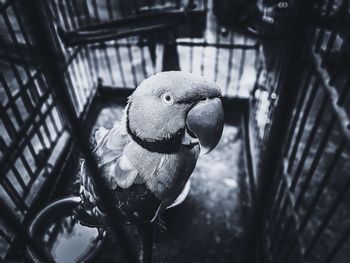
116	169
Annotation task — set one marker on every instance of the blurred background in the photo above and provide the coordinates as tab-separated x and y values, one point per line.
276	189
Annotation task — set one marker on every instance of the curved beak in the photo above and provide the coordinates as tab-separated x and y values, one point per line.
205	121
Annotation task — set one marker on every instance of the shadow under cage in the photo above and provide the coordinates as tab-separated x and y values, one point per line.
274	190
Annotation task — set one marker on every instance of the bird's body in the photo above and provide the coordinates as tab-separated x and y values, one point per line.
148	156
139	178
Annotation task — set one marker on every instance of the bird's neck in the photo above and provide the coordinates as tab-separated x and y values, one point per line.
168	145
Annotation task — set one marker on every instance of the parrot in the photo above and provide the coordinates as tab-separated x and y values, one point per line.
147	157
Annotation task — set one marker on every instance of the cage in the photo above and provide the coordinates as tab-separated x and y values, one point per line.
274	190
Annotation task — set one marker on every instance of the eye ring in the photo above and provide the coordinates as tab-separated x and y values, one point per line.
167	98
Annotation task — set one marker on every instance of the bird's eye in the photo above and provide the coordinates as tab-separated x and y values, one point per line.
167	98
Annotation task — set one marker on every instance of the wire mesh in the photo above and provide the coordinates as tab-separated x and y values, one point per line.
307	220
35	137
126	62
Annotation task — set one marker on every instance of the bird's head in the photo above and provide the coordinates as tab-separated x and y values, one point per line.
174	108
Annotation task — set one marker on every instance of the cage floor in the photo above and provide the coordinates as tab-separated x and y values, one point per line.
208	226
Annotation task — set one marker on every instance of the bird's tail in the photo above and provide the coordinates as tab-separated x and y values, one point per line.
87	211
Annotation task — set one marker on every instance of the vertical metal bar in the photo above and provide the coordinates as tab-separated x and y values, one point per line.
282	212
43	127
41	139
328	217
257	56
322	185
143	60
120	64
276	206
314	163
13	194
290	249
56	78
278	130
282	242
306	112
89	64
308	144
340	57
131	61
110	10
83	70
63	15
191	55
320	150
110	16
343	93
203	59
204	39
122	7
72	92
241	67
217	53
11	102
330	43
53	122
108	62
26	164
26	99
281	58
246	138
319	40
72	16
274	217
84	57
76	67
300	100
191	47
96	63
52	25
54	12
19	178
10	128
14	38
86	11
97	16
3	146
170	56
32	152
229	66
77	12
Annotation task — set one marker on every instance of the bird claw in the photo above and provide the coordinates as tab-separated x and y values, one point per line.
159	224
